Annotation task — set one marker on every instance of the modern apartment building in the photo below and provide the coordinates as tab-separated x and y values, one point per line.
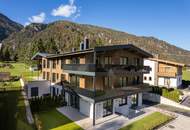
97	81
163	73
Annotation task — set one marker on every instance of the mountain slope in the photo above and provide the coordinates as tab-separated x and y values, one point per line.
67	34
7	27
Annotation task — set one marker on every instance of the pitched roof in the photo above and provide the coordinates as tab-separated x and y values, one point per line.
129	47
39	55
167	62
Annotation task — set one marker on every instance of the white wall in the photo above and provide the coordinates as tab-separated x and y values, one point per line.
43	87
85	107
174	82
152	73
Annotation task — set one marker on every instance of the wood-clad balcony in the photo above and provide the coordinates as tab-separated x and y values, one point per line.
167	74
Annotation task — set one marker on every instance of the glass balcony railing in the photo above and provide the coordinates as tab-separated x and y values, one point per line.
105	67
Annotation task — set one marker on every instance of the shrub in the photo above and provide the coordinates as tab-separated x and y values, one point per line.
170	93
44	103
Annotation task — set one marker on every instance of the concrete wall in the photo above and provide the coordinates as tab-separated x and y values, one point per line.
159	99
43	87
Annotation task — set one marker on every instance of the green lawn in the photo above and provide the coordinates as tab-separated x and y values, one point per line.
149	122
54	120
20	69
186	75
12	112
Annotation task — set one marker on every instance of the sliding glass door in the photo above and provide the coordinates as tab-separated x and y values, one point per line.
107	107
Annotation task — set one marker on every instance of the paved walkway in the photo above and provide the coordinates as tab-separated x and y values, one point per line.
186	101
28	110
113	122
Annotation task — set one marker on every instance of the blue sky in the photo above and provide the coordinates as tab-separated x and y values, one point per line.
168	20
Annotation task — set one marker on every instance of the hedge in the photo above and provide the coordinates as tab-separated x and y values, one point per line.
170	93
38	104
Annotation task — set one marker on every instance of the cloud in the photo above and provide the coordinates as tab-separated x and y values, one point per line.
40	18
67	10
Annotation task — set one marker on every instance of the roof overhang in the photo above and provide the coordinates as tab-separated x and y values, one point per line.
129	47
167	62
38	56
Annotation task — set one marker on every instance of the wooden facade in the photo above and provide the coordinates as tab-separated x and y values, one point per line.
102	69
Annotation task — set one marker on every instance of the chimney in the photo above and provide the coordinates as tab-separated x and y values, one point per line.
86	43
73	49
82	46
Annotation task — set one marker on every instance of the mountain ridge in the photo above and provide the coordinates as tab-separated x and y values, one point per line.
8	26
66	35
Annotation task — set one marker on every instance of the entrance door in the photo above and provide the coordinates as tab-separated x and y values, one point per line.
74	101
108	108
134	101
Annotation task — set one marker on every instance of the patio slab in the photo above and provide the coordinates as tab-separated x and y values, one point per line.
112	122
73	114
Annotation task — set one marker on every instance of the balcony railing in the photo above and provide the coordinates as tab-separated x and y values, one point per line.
105	68
167	74
79	67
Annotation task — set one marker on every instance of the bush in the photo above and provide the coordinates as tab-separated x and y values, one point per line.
170	93
38	104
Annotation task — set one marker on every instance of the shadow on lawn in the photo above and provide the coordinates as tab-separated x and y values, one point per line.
8	110
12	111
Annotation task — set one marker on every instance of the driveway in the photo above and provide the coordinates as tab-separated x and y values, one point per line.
180	123
186	102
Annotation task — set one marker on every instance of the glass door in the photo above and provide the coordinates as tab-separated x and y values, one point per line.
107	108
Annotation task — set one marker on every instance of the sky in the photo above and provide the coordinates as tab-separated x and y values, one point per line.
168	20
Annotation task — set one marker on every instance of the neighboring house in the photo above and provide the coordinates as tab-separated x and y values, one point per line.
5	76
100	81
37	88
163	73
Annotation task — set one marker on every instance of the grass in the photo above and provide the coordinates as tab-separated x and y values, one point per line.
54	120
12	112
186	75
149	122
20	69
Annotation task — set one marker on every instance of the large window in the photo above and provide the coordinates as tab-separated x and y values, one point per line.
63	77
34	91
123	101
123	60
137	61
107	108
136	80
108	60
54	77
54	64
44	63
107	82
48	63
123	81
47	76
62	63
57	76
44	75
